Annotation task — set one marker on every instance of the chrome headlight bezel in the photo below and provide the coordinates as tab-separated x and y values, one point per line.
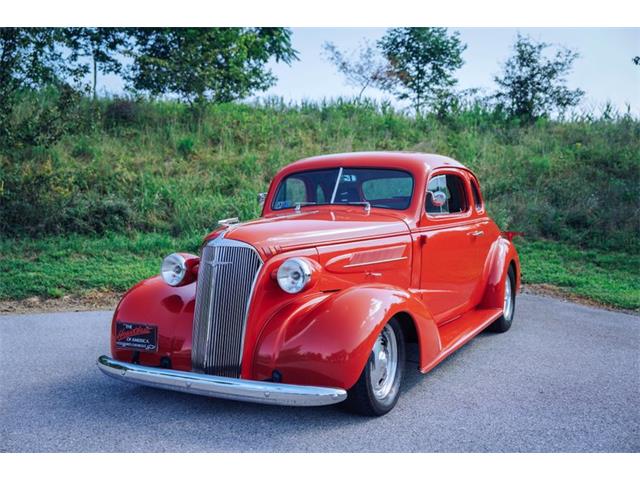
173	269
294	275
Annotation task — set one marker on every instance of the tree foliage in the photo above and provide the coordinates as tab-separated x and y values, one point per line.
532	85
218	64
362	68
104	47
31	59
422	62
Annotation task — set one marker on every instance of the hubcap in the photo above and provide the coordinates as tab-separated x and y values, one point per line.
508	299
384	362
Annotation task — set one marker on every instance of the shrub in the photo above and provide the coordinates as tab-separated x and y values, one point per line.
186	146
41	118
122	112
83	149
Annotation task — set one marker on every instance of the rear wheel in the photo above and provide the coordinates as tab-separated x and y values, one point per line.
503	323
378	388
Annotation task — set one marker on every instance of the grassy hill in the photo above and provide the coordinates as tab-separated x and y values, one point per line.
137	179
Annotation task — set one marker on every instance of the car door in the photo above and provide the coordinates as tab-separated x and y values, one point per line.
449	235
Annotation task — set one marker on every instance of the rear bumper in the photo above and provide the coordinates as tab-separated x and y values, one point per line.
221	387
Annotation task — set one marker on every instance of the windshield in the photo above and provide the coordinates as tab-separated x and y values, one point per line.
380	187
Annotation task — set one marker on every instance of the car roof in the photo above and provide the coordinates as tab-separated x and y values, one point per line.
403	160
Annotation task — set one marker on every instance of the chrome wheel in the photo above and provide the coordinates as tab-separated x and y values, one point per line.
508	300
384	362
378	387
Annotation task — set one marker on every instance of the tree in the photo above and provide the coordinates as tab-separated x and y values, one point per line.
31	58
532	85
636	60
196	64
104	46
362	68
422	62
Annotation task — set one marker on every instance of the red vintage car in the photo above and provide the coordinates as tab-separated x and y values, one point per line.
355	256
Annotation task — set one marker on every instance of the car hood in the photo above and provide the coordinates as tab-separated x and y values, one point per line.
277	233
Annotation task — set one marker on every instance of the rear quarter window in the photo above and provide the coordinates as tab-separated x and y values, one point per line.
477	201
454	188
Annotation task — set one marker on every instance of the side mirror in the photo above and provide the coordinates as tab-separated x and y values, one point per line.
439	198
261	198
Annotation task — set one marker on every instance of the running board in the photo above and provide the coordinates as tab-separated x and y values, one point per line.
456	333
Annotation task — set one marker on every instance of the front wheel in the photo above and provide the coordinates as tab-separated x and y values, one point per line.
378	388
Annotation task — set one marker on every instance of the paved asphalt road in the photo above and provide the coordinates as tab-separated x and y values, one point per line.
565	378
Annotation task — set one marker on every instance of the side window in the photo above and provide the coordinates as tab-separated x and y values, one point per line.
476	195
389	192
453	188
291	191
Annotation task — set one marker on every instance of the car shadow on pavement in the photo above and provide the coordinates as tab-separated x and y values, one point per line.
138	418
106	394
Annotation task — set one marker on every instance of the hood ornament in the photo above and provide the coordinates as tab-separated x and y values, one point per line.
228	221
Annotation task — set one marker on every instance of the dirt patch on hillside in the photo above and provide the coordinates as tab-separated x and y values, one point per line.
68	303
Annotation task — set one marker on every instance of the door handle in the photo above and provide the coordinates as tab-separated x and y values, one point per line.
477	233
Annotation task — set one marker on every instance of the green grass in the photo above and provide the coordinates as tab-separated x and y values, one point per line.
611	279
58	266
79	265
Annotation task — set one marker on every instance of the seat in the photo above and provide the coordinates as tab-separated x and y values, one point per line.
349	195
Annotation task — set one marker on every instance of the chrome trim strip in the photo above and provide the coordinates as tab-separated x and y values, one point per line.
351	265
221	387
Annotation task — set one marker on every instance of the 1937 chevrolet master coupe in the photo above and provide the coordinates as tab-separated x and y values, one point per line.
354	256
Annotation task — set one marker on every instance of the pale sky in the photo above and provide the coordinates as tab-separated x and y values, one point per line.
604	70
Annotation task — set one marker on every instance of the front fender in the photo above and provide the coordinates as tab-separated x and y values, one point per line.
325	339
153	302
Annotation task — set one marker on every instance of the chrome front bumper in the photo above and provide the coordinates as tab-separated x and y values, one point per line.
221	387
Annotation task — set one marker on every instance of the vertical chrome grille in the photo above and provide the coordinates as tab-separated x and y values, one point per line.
227	273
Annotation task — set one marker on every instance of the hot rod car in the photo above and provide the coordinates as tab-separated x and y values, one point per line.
354	257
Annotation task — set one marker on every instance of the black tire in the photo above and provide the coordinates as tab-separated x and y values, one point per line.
503	323
361	398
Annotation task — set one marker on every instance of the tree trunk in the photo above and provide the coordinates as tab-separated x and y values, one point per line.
95	76
362	91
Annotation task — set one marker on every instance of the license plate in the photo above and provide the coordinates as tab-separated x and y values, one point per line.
137	337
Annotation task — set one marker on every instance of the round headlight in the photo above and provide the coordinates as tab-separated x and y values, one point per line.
294	274
174	268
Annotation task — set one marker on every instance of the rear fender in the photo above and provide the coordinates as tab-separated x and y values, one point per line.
503	254
325	339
